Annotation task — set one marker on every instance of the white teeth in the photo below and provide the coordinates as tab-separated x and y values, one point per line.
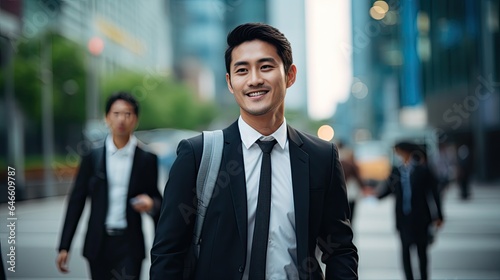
253	94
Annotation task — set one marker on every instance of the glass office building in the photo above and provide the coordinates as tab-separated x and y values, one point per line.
428	66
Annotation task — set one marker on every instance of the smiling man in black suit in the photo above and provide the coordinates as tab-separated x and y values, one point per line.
259	227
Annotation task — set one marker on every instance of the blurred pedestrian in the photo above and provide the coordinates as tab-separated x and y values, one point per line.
464	171
417	206
120	178
266	230
354	183
444	165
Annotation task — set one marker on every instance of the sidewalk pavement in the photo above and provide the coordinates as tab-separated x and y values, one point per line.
37	233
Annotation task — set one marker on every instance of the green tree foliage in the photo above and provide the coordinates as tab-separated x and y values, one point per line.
164	102
68	84
69	74
26	62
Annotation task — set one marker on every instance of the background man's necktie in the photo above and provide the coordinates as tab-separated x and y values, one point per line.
406	186
261	230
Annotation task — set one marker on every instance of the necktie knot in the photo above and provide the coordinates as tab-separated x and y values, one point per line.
266	146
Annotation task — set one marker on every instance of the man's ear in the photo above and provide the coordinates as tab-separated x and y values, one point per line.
229	85
291	75
136	122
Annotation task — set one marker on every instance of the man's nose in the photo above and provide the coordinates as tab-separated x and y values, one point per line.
255	79
122	116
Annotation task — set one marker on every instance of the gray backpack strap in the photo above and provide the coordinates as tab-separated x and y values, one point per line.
213	143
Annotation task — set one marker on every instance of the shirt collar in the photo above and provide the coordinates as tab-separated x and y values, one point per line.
128	149
408	166
249	135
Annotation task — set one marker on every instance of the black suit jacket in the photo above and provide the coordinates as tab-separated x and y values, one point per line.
91	181
320	201
425	200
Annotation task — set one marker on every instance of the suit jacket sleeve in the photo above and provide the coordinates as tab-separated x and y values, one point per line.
178	212
389	186
152	189
339	253
76	202
433	184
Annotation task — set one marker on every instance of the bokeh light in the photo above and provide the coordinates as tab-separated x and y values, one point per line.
326	132
96	46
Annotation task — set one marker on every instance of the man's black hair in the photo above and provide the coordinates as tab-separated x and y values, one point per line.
417	151
405	146
259	31
125	96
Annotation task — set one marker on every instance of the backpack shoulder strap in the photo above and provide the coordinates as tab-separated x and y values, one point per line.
213	144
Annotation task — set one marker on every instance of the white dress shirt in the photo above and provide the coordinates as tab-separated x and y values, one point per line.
118	167
282	247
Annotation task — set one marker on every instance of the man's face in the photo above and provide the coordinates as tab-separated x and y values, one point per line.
257	79
121	118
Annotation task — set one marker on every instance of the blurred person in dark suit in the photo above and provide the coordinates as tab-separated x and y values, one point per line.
464	171
305	203
418	204
120	179
444	169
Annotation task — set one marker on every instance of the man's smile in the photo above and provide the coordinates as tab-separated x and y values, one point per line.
257	93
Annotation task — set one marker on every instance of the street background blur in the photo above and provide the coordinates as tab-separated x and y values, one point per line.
370	73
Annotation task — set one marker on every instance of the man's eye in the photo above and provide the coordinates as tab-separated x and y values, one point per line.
266	67
241	70
127	114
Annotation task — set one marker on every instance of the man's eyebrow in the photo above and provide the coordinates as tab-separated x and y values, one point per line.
265	59
239	63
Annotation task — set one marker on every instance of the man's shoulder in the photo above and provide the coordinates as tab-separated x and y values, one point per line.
195	140
95	150
308	138
145	150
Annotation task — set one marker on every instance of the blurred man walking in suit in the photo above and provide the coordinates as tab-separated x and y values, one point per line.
265	218
121	181
417	203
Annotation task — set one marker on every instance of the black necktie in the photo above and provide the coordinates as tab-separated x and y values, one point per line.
261	230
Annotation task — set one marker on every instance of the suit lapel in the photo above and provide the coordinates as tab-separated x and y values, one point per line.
99	159
234	168
299	161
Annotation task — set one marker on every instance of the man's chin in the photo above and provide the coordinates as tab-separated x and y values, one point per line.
121	133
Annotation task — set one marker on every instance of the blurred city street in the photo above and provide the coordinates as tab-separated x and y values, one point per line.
468	247
369	74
